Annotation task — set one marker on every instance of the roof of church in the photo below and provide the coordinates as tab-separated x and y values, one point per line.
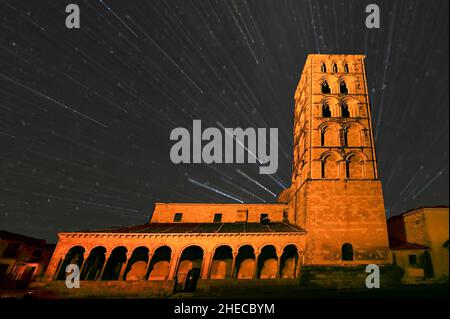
397	244
203	228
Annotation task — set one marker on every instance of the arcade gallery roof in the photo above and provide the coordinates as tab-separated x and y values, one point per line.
203	228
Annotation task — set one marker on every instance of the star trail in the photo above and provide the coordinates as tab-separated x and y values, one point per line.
86	114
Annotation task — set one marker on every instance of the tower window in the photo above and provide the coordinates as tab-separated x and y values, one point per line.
177	218
354	167
346	68
412	259
217	218
263	218
347	252
343	88
335	69
323	68
330	169
326	110
344	110
325	88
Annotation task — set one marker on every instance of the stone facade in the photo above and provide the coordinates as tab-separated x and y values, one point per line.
332	215
336	194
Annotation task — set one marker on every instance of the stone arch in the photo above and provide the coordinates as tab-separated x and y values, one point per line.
137	265
330	166
353	105
191	258
94	264
267	265
245	262
326	89
343	88
350	84
332	82
354	167
160	264
329	134
289	261
74	255
115	263
222	262
347	252
353	135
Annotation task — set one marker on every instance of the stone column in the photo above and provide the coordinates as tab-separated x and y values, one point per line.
233	273
147	271
107	255
124	267
54	266
255	270
83	264
173	265
207	257
298	266
279	254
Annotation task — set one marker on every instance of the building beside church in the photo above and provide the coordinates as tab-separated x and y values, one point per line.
332	215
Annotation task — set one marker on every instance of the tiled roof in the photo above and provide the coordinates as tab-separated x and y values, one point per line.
6	235
397	244
202	228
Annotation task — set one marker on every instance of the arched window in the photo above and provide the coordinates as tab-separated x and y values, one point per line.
344	110
326	112
343	88
347	252
323	68
335	69
330	167
354	167
346	68
325	88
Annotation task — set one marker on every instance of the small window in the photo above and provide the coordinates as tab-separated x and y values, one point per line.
343	88
285	216
326	112
344	110
347	252
412	259
217	218
335	69
346	68
325	88
263	217
324	68
177	217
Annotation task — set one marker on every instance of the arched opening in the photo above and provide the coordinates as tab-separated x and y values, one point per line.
137	266
346	68
74	256
328	136
335	68
352	137
326	112
330	167
344	110
116	261
325	88
347	252
267	263
289	261
354	167
343	87
191	258
221	263
245	262
94	264
160	264
323	68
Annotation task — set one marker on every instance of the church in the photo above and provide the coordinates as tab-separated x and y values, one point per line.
332	215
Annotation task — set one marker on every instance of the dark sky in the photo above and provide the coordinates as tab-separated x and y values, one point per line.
85	115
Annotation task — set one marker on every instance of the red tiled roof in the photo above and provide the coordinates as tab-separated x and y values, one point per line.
202	228
396	244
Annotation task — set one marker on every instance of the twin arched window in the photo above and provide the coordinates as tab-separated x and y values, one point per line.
342	88
326	112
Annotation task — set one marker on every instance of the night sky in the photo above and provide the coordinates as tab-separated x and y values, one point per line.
86	114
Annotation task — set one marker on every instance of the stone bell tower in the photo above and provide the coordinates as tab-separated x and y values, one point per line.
336	194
